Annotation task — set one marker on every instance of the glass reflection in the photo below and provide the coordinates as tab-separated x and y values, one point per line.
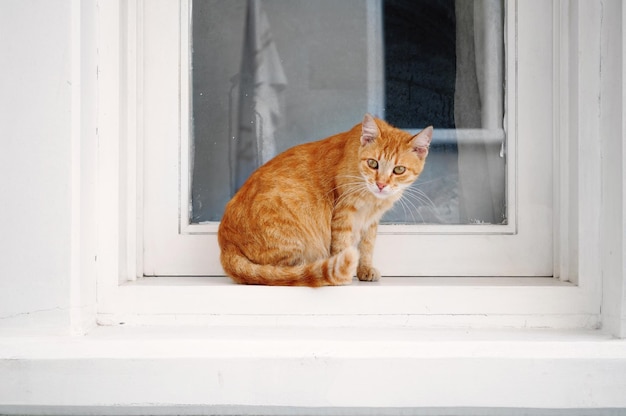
271	74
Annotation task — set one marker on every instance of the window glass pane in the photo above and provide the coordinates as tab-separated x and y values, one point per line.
271	74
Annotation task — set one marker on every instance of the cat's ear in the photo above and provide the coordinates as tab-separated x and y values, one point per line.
421	142
370	130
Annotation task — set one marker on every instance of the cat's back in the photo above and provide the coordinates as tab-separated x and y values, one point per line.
305	168
290	195
311	156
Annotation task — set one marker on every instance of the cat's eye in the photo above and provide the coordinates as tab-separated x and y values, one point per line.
399	170
372	163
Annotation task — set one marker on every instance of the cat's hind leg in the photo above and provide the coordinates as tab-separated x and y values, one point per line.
342	267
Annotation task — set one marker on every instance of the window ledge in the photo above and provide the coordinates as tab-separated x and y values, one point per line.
254	368
476	302
385	281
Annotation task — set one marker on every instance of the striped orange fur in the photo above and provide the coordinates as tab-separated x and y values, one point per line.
309	216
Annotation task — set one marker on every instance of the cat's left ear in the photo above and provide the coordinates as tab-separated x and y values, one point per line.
421	142
369	130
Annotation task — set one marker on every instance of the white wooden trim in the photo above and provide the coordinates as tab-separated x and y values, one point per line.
562	203
613	155
120	143
585	137
110	235
76	315
175	247
186	140
405	302
126	302
133	173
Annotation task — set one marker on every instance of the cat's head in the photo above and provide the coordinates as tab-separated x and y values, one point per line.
391	159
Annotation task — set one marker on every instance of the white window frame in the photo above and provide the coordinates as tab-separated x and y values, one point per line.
572	301
520	248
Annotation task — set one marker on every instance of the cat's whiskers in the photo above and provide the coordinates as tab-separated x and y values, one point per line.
405	202
422	196
407	210
423	200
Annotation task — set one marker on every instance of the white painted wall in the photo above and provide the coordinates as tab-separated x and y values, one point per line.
42	135
35	109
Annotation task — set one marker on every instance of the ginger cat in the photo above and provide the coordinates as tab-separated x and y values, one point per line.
309	216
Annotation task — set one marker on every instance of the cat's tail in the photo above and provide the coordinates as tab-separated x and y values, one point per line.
335	270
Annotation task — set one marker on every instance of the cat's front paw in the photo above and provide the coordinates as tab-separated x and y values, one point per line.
367	273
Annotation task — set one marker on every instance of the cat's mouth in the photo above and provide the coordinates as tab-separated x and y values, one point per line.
380	192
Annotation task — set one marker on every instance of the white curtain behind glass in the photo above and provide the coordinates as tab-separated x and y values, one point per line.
479	104
261	83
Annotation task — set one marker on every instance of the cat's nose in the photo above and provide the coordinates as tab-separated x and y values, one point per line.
380	185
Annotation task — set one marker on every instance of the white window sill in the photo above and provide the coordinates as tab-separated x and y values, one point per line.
476	302
388	281
252	369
